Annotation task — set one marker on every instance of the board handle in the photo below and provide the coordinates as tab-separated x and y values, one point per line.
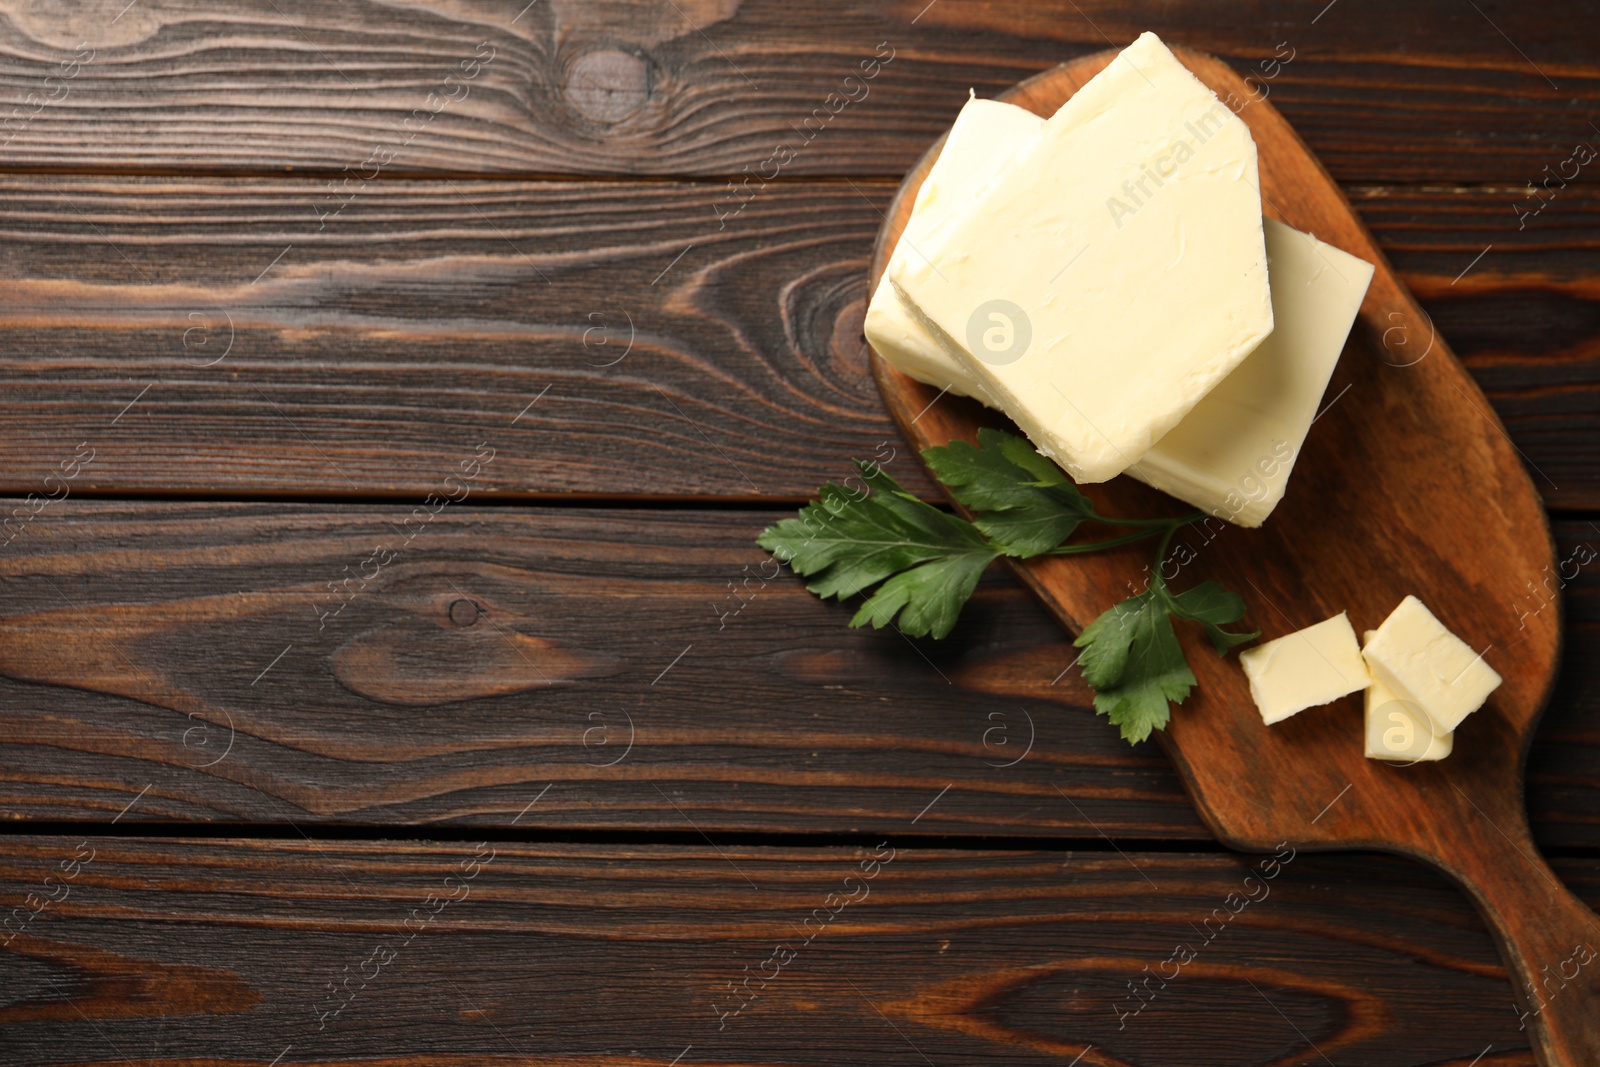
1549	939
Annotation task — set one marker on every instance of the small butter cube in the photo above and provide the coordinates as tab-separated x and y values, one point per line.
1398	730
1419	660
1313	666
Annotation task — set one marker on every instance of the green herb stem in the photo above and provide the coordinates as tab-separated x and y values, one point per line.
1156	581
1096	546
1112	520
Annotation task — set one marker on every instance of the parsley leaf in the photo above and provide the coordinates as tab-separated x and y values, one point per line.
1134	662
848	541
925	564
1212	605
929	597
1131	656
1025	503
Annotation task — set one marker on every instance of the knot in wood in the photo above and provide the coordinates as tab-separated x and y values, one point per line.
464	612
607	85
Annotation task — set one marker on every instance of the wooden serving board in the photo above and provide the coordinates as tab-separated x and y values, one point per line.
1406	484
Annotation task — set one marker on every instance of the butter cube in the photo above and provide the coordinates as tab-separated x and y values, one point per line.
985	136
1231	456
1112	273
1399	731
1419	660
1301	670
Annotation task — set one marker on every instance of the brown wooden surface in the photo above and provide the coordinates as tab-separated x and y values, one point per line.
488	259
1429	91
377	352
1387	503
179	952
133	632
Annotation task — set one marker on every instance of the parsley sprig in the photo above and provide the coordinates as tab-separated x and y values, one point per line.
925	564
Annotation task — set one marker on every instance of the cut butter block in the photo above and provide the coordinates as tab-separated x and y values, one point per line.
1231	456
1313	666
1419	660
1398	730
1112	272
985	135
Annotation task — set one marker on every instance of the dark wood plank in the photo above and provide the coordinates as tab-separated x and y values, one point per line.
181	952
1561	760
134	635
504	651
374	354
680	360
1435	92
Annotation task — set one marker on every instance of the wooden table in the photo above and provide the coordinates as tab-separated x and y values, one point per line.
391	398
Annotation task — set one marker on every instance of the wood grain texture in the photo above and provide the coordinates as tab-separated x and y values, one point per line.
182	952
372	354
1432	92
169	662
1381	515
134	639
1531	299
201	650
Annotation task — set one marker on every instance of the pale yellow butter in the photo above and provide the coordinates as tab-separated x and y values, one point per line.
985	135
1112	273
1397	730
1231	456
1301	670
1421	661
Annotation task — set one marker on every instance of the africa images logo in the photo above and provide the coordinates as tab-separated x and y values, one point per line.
998	332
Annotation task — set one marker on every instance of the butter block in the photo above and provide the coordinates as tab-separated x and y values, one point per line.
1231	456
1414	655
1109	276
1399	731
1301	670
985	136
